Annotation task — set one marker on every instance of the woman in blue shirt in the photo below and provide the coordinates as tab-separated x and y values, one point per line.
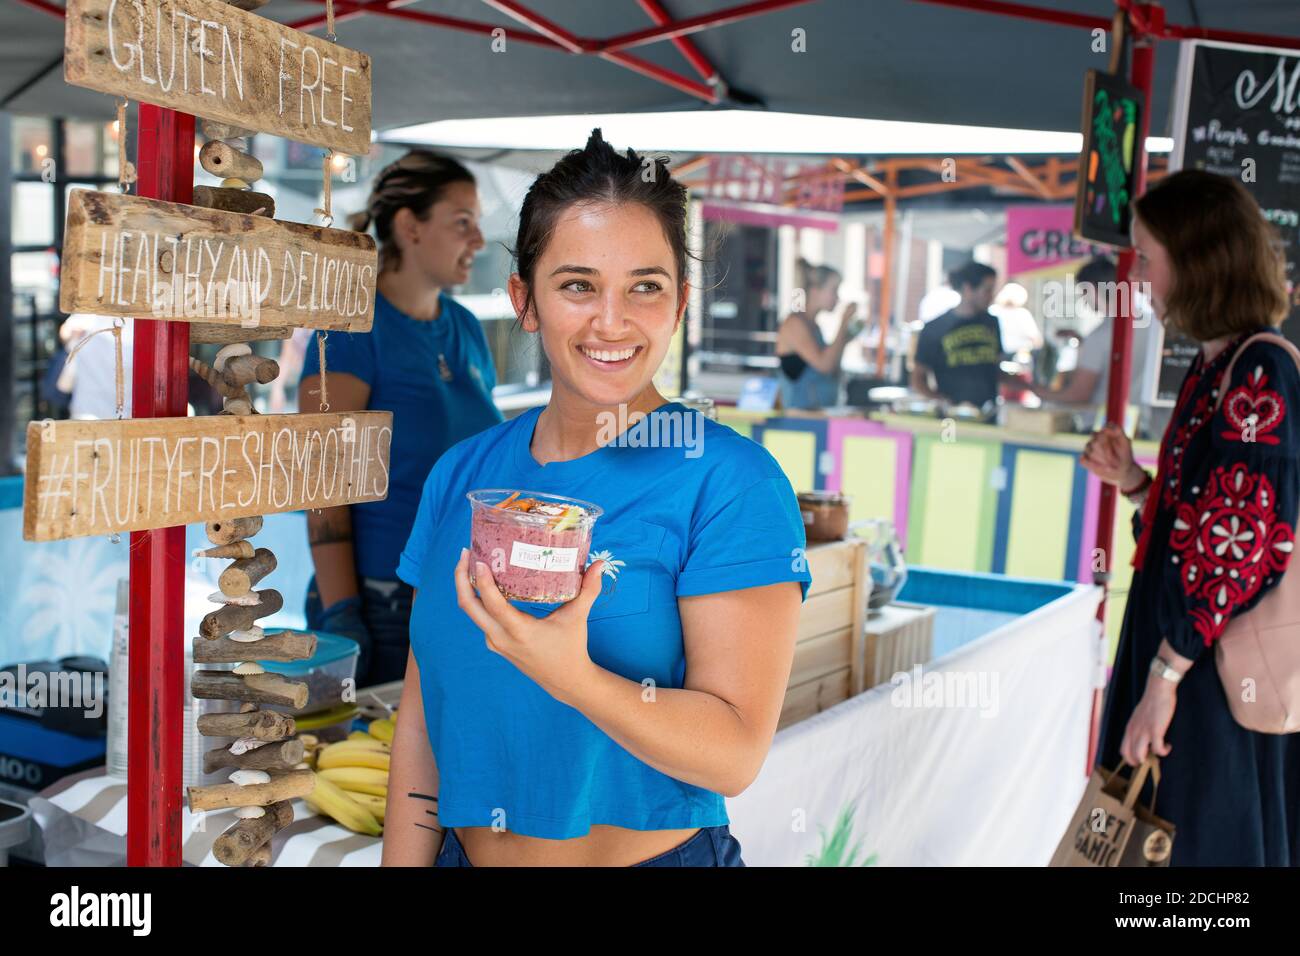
606	731
427	361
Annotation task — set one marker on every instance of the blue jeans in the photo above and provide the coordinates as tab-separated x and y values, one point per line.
712	846
386	613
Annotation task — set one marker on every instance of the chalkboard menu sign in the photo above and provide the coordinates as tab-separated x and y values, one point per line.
1237	113
1176	354
1112	124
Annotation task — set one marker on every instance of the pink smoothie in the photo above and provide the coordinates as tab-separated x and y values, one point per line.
529	560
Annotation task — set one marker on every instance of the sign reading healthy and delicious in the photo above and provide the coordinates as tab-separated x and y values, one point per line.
134	257
1112	124
212	59
1237	113
98	477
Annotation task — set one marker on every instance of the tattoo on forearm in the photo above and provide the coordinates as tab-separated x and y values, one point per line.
423	796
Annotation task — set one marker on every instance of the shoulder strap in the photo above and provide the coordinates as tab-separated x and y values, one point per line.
1275	338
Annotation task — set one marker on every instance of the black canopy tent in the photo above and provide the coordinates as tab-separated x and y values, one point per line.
880	59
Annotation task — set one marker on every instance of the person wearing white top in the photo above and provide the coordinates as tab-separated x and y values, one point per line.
93	370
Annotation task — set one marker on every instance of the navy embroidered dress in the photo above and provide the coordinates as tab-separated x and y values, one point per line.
1215	535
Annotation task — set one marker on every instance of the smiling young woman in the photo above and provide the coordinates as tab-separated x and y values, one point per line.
606	731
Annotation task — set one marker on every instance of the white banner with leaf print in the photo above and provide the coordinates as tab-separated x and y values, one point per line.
977	760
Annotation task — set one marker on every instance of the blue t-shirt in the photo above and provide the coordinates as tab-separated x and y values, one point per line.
716	515
399	360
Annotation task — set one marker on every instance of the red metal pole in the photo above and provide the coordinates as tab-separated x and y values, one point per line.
684	45
45	7
689	25
165	167
1120	348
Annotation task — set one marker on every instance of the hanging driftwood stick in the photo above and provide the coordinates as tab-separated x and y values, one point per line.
283	786
244	369
259	857
239	578
282	756
241	842
213	333
213	129
233	529
238	549
238	617
215	379
220	159
281	646
260	688
235	200
262	724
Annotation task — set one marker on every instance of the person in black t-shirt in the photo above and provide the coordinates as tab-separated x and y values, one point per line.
958	354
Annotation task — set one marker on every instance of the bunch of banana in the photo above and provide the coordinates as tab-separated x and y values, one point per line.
331	800
383	729
352	782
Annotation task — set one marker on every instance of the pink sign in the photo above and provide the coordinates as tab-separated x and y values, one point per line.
1042	236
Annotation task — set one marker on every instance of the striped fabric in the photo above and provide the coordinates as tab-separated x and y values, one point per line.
311	840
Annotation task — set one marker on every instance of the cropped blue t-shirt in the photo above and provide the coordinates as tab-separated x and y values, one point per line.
715	513
399	359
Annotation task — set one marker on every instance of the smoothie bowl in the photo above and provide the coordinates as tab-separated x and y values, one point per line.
536	544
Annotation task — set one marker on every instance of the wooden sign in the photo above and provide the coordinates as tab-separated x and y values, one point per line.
212	59
1108	165
98	477
130	256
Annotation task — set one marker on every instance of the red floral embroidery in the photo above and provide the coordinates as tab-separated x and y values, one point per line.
1177	447
1253	411
1228	543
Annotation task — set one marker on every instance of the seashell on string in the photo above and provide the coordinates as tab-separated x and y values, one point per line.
250	778
249	669
250	813
243	600
249	636
244	744
230	351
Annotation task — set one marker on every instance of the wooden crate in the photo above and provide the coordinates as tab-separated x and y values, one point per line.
897	639
828	654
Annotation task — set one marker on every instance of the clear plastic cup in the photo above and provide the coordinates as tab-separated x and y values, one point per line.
537	555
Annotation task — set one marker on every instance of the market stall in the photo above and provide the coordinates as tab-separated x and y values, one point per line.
862	751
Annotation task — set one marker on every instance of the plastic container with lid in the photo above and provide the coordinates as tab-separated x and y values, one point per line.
327	672
536	555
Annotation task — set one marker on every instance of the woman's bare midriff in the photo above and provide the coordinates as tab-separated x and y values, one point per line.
602	846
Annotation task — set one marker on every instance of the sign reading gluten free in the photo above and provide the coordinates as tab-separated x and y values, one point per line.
100	477
134	257
212	59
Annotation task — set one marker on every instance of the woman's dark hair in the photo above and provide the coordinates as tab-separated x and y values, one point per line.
970	276
1229	272
415	181
814	277
597	173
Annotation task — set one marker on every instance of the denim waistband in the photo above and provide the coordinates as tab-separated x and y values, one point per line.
711	846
